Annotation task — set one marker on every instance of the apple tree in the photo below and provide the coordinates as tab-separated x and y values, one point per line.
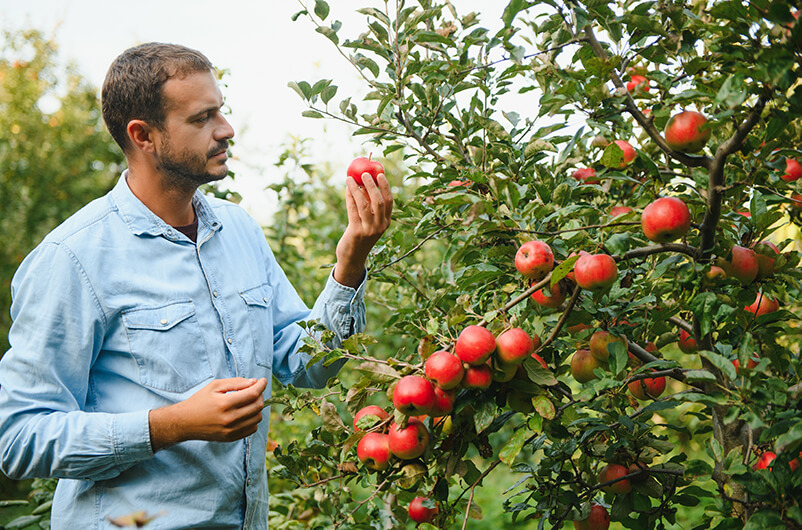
641	362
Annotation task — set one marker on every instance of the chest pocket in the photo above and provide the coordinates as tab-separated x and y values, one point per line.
168	346
259	305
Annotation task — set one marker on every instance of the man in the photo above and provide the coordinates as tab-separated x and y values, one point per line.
148	325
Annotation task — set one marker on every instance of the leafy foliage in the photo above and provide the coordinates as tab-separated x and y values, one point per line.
491	124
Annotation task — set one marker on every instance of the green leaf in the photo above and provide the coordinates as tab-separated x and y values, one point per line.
720	362
692	376
331	419
302	88
512	10
513	446
544	406
704	306
327	93
618	357
563	269
321	9
537	374
380	373
311	114
329	33
484	416
790	440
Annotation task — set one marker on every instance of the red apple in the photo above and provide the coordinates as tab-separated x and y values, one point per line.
514	346
599	342
793	170
753	360
362	165
715	275
378	414
638	83
686	132
766	252
595	271
373	450
409	442
650	388
571	276
666	219
419	513
763	305
619	210
582	365
555	300
444	369
599	519
413	395
586	175
612	472
743	264
629	153
443	401
686	342
477	377
765	460
534	260
474	345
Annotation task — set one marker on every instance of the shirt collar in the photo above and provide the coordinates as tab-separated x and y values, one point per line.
141	221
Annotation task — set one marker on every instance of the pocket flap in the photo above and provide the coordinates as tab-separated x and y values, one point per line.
260	295
159	318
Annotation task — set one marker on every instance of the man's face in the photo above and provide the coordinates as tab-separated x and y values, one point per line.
191	147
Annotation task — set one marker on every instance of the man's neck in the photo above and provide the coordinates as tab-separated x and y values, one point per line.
171	205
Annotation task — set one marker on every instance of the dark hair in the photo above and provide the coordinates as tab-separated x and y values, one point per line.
133	86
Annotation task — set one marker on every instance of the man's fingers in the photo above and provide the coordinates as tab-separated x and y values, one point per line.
231	385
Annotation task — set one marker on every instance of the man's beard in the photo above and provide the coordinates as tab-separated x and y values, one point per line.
186	171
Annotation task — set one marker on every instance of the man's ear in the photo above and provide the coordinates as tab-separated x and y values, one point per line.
141	135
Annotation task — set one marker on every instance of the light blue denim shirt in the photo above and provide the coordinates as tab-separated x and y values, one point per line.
116	313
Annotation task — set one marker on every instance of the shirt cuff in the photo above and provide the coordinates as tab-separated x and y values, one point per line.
131	437
344	296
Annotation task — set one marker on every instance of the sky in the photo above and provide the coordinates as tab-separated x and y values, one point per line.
255	40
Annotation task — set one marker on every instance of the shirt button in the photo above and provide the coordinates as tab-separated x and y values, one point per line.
215	294
265	299
169	232
230	341
164	322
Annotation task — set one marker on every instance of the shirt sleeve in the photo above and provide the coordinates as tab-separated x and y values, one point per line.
339	308
58	328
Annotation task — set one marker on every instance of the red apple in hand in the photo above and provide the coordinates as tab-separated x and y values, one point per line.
599	519
373	450
362	165
413	395
378	413
419	513
793	170
534	260
595	271
514	346
444	369
686	132
666	219
409	442
474	345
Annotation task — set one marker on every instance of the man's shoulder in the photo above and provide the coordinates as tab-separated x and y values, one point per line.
89	216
